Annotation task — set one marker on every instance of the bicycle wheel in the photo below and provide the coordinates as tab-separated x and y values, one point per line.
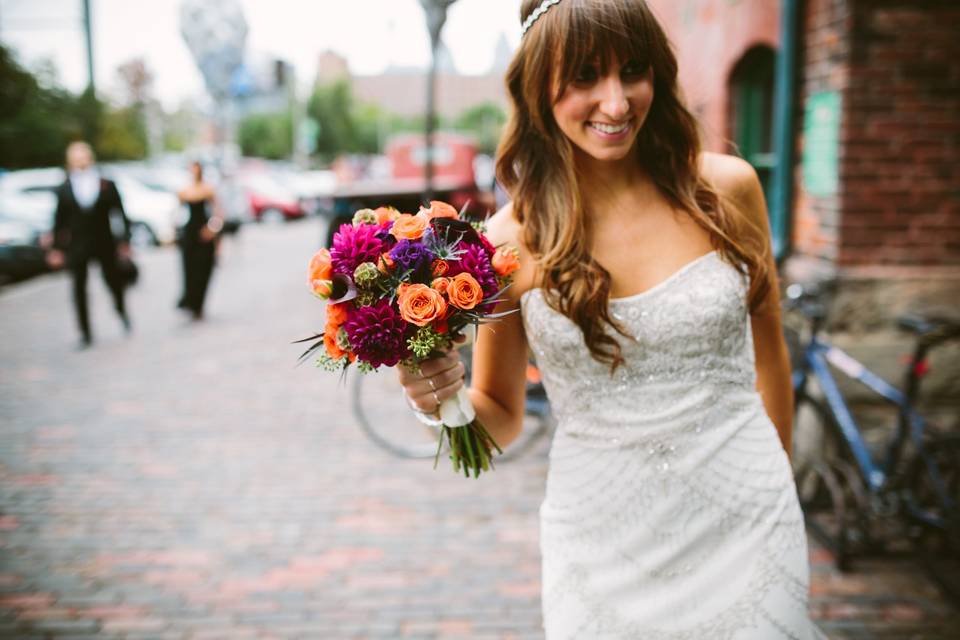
381	410
814	447
937	536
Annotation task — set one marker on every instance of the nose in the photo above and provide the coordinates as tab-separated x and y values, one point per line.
613	101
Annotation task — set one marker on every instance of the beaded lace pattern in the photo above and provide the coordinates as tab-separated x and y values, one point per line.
670	509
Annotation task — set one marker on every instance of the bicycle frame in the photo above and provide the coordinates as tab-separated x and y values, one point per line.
816	357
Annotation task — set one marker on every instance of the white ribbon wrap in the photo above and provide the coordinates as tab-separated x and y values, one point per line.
457	411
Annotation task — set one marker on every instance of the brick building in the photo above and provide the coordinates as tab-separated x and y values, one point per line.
870	196
403	90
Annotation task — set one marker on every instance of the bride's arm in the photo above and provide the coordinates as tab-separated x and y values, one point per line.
741	186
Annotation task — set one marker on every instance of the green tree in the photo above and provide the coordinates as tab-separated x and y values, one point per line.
123	135
332	106
38	119
484	121
266	135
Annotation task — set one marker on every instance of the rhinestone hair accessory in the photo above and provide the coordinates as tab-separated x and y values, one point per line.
539	11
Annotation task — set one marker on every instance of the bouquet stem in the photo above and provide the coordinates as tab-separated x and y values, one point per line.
471	448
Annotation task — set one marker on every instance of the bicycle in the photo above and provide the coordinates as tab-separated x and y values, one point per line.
381	412
861	498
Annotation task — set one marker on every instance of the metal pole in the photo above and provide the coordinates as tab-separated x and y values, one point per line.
91	86
431	121
782	191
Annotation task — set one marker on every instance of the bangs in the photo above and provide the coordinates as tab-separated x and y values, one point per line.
584	32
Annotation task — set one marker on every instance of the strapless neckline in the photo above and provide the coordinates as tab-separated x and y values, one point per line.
663	284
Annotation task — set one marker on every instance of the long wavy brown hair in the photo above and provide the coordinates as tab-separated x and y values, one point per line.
535	160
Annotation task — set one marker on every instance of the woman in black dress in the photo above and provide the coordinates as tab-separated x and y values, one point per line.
198	241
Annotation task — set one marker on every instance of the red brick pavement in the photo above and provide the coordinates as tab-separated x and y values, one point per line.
189	482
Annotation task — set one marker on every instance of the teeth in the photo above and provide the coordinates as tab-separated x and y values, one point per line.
607	128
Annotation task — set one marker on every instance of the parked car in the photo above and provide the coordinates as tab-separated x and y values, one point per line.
313	189
30	196
270	199
20	253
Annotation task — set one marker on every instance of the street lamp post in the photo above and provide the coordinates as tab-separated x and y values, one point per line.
436	12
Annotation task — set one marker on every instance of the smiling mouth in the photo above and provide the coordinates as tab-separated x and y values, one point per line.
609	129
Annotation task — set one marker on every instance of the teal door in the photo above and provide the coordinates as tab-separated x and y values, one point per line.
751	114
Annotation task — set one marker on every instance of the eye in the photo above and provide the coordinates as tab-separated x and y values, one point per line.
587	74
635	69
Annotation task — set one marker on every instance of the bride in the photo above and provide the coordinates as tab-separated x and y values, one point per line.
648	296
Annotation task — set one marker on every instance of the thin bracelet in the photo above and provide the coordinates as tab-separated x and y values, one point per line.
429	419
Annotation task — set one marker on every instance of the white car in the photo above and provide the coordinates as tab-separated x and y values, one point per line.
30	195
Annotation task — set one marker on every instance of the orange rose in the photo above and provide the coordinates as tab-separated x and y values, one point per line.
440	284
385	263
321	266
439	267
408	227
330	342
419	304
321	288
386	214
440	210
464	291
336	314
506	260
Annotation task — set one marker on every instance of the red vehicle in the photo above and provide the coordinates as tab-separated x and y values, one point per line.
271	200
453	178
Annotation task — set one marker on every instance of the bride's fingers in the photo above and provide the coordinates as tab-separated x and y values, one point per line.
428	400
437	366
432	383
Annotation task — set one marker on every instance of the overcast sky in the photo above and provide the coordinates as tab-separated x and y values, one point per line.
371	34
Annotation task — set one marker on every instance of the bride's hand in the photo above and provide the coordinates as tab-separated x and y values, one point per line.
439	378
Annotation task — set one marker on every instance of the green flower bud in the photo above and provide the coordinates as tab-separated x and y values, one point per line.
342	340
364	216
366	275
366	298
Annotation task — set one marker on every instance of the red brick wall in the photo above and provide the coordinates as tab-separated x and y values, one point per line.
710	37
900	165
824	53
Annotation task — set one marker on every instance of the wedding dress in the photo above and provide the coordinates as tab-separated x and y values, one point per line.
670	509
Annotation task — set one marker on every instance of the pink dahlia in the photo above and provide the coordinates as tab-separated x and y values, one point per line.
353	246
377	334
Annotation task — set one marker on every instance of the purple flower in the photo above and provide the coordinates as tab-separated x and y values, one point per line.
377	334
412	255
353	246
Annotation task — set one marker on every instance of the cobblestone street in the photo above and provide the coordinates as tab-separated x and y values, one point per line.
188	481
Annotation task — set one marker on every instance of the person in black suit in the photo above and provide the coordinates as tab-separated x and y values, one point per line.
83	232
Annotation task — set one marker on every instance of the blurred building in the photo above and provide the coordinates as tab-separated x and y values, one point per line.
403	90
868	187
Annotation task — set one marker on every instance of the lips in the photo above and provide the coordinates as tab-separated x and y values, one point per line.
609	129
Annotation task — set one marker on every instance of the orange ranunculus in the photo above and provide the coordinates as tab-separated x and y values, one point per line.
440	210
440	284
330	342
506	260
321	266
464	291
336	314
321	288
439	267
419	304
408	227
386	214
385	263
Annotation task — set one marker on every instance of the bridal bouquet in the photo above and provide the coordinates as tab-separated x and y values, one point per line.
403	287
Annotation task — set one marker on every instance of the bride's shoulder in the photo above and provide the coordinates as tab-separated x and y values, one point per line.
503	229
736	182
729	175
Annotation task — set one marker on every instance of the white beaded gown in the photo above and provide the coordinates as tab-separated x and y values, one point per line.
670	508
